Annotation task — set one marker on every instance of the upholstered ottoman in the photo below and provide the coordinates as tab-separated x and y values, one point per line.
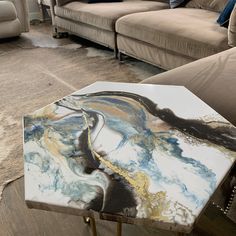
9	23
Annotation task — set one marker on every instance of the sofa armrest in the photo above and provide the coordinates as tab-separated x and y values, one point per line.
22	10
232	29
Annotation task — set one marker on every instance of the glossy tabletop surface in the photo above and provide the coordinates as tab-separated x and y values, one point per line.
145	154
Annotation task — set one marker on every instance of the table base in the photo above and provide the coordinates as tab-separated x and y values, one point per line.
90	221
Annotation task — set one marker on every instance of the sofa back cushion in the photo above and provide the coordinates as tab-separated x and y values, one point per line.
211	5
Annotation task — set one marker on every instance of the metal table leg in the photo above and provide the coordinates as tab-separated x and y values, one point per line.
119	229
92	223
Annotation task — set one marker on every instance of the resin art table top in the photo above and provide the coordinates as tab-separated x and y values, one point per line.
141	154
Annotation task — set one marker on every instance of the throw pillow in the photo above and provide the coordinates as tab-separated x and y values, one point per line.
232	29
225	14
176	3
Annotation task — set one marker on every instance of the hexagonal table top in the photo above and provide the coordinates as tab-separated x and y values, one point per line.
145	154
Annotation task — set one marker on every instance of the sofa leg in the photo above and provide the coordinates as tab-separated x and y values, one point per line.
59	35
120	56
115	53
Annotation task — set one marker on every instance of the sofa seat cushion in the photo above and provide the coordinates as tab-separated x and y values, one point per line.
189	32
104	15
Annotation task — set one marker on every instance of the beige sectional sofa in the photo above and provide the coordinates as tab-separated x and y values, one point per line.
147	30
